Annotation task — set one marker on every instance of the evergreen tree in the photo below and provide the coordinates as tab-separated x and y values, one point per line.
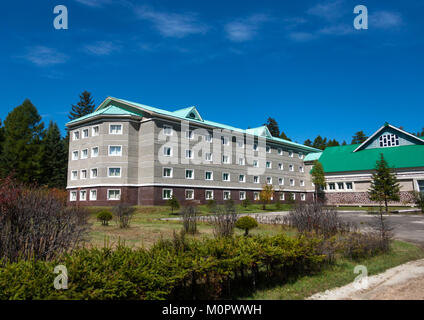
318	178
283	136
22	148
1	137
359	137
308	143
384	186
83	107
273	127
344	143
54	158
319	143
333	143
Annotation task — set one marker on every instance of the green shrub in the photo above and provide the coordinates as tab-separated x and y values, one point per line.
245	203
211	205
246	223
104	216
419	200
173	203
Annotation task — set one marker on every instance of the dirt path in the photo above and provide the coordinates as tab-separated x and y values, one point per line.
404	282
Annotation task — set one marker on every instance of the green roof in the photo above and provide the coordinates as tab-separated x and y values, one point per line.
312	156
342	158
109	110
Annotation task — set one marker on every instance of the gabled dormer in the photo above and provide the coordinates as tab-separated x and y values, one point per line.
389	136
189	113
260	131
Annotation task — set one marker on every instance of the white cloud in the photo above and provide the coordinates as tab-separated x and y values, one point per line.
384	20
337	30
172	24
102	48
245	29
329	10
302	36
94	3
44	56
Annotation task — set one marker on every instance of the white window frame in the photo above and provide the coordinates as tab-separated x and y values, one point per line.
72	175
114	155
108	172
211	172
280	151
75	134
86	174
171	172
189	134
165	154
225	159
268	149
301	169
82	133
269	164
242	161
294	195
229	178
92	152
116	124
224	193
268	180
190	152
256	163
259	179
240	144
81	192
256	196
291	154
300	154
73	195
208	138
206	192
351	184
163	193
185	194
165	127
302	183
210	156
255	147
93	131
244	195
292	182
73	155
225	140
282	196
244	178
91	195
281	181
91	173
291	167
192	174
82	154
119	193
303	197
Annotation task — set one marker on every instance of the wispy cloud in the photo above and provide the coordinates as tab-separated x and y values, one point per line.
337	30
329	10
173	25
385	20
102	48
245	29
94	3
44	56
302	36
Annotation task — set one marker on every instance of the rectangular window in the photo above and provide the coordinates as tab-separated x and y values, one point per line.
300	155
291	167
256	163
115	129
225	177
302	183
167	130
208	175
268	164
280	151
114	172
301	169
189	174
84	154
302	197
349	185
73	196
76	135
242	178
114	194
268	149
268	180
332	186
188	154
280	166
83	195
209	194
94	152
291	154
208	138
225	141
240	144
95	131
94	173
83	174
255	147
241	161
115	151
242	195
167	151
75	155
282	198
281	181
167	172
255	179
227	195
166	194
189	194
189	135
225	159
93	195
208	156
293	195
85	133
74	175
340	185
389	140
292	183
256	196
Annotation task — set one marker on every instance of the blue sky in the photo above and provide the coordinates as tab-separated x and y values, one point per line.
301	62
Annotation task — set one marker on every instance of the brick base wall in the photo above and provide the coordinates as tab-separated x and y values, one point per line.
362	198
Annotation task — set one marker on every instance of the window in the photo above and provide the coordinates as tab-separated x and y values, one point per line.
74	175
255	179
281	181
300	155
73	196
255	147
301	169
242	178
189	174
75	155
93	195
280	166
240	144
189	194
167	151
225	159
83	174
282	198
114	194
208	175
242	195
268	165
241	161
225	141
268	180
293	195
256	163
332	186
83	195
115	151
208	156
95	131
225	176
256	196
189	135
340	185
167	130
115	129
85	133
292	183
167	172
76	135
84	154
114	172
94	152
389	140
291	154
209	195
280	151
291	167
166	194
268	149
302	183
302	197
208	138
94	173
349	185
188	154
227	195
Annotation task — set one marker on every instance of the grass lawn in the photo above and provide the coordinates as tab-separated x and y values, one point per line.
339	274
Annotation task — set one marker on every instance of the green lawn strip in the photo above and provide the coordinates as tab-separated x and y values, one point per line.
339	274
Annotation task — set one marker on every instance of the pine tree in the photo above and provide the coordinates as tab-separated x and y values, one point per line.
22	148
273	127
1	137
55	158
344	143
284	136
318	178
308	143
384	186
333	143
359	137
83	107
319	143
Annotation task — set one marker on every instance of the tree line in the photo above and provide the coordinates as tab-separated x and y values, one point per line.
32	153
